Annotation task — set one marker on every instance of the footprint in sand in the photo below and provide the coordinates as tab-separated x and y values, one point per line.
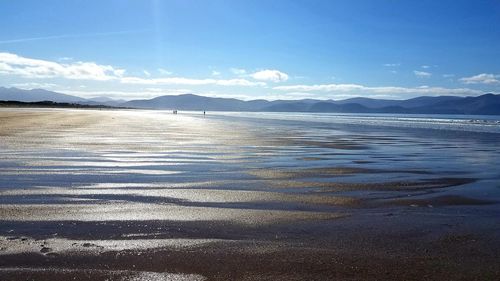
45	250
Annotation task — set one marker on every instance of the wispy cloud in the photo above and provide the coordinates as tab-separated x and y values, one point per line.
270	75
164	71
65	59
361	90
68	36
238	71
483	78
392	64
147	73
127	95
422	74
215	73
34	85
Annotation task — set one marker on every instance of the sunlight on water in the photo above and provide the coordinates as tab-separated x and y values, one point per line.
473	123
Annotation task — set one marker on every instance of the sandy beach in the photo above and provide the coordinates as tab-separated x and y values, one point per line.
148	195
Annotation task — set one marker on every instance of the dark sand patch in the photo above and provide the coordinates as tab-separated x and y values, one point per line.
335	144
444	200
264	261
362	162
312	158
305	173
322	172
57	273
378	186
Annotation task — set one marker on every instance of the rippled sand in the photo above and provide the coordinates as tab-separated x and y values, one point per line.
147	195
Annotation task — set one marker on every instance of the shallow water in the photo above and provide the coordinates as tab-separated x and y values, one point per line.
470	123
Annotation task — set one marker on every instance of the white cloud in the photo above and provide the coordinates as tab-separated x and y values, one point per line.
321	87
238	71
147	73
155	89
34	85
392	64
164	71
119	72
127	95
483	78
360	90
12	64
270	75
238	82
215	73
189	81
422	73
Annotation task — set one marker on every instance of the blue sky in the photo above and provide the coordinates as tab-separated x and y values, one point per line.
252	49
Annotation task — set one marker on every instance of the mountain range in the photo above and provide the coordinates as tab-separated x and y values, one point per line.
487	104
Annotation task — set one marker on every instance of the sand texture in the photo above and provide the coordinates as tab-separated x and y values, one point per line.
148	195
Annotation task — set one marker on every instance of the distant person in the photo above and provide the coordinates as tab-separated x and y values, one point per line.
203	112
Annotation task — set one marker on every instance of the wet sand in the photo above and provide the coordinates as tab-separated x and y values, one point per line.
147	195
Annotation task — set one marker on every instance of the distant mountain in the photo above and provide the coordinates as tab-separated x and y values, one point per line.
341	108
485	104
107	101
367	102
15	94
39	95
425	101
294	106
409	103
488	104
194	102
49	104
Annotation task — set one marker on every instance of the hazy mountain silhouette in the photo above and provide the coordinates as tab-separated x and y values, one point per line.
38	95
15	94
485	104
193	102
488	104
409	103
